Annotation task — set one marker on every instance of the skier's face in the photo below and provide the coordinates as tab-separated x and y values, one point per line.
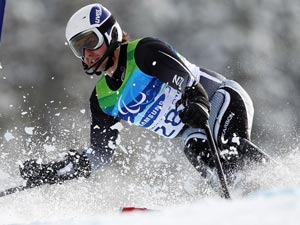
92	56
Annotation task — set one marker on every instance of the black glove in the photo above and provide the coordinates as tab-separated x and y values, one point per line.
73	166
196	106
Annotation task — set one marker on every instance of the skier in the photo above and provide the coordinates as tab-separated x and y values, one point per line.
146	82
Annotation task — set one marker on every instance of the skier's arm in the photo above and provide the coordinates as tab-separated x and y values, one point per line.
103	136
158	59
77	164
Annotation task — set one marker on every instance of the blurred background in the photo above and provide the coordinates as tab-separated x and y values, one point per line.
44	94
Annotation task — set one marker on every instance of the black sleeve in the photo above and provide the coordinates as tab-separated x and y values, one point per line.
102	137
159	59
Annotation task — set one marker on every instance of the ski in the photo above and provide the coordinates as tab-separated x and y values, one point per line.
131	209
255	153
134	209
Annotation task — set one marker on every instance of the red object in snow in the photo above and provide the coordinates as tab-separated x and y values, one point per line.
132	209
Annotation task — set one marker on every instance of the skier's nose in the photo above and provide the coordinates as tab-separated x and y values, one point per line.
89	57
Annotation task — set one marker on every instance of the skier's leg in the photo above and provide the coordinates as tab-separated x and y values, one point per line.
230	119
197	151
233	123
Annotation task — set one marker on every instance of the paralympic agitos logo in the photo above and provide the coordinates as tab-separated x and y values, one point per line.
132	108
149	109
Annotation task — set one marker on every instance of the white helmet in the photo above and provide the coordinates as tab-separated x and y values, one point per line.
89	28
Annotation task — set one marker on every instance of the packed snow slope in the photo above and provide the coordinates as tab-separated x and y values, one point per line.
274	208
148	171
176	198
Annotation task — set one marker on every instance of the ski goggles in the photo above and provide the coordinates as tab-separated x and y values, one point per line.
90	39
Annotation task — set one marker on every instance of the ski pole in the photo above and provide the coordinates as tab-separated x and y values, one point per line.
215	154
12	190
17	189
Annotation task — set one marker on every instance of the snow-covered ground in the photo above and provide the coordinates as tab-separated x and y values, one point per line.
147	172
177	201
274	208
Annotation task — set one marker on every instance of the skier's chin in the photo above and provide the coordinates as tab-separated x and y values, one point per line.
100	68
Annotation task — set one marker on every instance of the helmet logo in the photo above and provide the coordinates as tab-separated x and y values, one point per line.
97	15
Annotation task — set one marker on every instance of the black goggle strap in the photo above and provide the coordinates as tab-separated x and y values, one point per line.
107	25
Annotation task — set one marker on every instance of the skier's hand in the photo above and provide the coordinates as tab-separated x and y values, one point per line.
36	173
74	165
196	106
